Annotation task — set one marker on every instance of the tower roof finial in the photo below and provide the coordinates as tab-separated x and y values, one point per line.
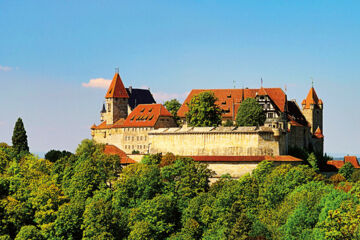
312	82
117	70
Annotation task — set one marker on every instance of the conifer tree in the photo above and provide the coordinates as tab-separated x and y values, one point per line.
19	138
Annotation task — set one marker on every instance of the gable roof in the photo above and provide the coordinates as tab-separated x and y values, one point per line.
113	150
311	99
229	99
139	96
146	115
295	116
339	163
116	89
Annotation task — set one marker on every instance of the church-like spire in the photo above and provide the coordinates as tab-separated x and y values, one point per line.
117	89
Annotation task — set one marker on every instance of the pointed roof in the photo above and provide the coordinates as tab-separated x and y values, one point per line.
311	99
117	89
318	133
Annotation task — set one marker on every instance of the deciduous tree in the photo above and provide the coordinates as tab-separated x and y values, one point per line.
250	113
203	111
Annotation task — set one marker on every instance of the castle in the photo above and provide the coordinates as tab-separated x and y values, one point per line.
134	123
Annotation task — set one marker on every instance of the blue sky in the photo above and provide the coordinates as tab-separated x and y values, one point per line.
48	49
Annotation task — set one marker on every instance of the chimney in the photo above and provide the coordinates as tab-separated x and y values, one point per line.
130	89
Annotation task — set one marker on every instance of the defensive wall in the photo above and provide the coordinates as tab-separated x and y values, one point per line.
219	141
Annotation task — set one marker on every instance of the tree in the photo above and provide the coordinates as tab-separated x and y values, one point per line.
203	111
313	161
228	123
19	138
54	155
173	106
250	113
347	170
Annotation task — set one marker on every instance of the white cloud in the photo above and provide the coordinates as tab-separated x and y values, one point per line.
162	96
97	83
5	68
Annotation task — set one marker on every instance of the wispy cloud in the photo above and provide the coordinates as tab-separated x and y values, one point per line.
5	68
163	96
97	83
2	123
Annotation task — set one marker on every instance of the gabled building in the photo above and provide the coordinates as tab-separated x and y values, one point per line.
303	127
127	116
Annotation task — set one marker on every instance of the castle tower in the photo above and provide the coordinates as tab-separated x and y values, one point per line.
116	101
313	111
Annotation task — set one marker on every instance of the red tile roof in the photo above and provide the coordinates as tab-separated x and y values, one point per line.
284	158
146	115
229	99
113	150
311	99
117	89
318	133
339	163
104	125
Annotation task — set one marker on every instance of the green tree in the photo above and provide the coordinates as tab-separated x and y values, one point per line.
347	170
19	138
158	214
250	113
228	123
203	111
313	161
29	233
173	106
54	155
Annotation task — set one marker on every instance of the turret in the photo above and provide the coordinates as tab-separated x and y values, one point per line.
313	110
116	101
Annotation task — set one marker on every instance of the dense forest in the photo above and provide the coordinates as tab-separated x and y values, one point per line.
87	195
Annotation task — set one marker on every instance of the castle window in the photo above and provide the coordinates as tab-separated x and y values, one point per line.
109	107
144	138
270	115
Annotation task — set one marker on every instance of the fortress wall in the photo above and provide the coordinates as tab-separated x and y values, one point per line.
207	143
109	136
235	169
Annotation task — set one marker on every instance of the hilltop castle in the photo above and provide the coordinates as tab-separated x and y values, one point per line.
132	121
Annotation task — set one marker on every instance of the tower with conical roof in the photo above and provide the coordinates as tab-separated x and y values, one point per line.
116	101
312	108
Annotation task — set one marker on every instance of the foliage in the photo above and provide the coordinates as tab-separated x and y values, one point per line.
313	161
135	152
355	177
347	170
88	196
173	106
19	138
228	123
203	111
250	113
54	155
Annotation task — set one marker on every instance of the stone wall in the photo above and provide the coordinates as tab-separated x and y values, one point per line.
220	141
237	169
